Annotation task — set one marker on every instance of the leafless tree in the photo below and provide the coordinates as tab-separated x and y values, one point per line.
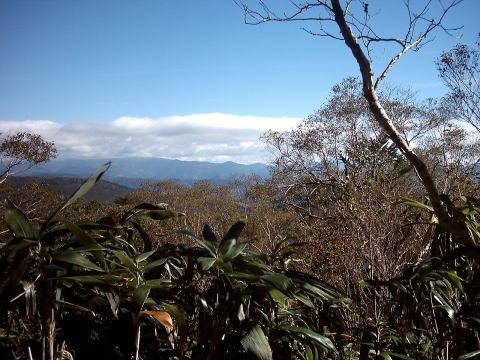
459	68
351	21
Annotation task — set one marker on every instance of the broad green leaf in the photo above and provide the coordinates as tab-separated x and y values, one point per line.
308	353
114	301
448	309
414	203
30	294
470	355
322	292
150	302
144	256
244	276
157	214
98	279
206	262
385	355
256	344
400	356
86	240
240	313
147	242
277	295
147	206
10	249
324	341
139	210
17	221
204	244
75	306
140	295
235	250
152	265
125	260
77	258
457	280
280	281
235	230
15	276
226	267
81	235
473	318
208	234
158	283
225	247
82	190
305	299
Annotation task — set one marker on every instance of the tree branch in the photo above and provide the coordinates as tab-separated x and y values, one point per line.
386	124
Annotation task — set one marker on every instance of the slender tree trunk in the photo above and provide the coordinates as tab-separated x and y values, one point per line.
446	221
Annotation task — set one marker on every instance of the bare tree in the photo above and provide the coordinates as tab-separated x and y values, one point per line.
351	21
459	68
342	176
22	150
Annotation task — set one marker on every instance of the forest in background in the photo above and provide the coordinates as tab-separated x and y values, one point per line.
344	253
340	198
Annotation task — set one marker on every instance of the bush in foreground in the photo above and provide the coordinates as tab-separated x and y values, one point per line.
100	290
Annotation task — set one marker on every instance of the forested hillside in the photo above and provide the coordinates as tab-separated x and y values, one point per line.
133	171
104	191
364	243
342	206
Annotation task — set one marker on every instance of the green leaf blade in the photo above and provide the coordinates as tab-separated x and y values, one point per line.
256	344
17	221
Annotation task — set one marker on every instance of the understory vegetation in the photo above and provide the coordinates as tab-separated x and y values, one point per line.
339	255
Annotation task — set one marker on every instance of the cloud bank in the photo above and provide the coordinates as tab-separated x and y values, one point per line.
214	137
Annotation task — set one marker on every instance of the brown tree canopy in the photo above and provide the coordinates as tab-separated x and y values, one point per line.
22	150
353	23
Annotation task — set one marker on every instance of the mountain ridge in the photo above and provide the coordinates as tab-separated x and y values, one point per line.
132	171
103	191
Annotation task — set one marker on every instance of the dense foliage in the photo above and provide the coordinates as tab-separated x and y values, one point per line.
380	190
87	289
109	289
345	259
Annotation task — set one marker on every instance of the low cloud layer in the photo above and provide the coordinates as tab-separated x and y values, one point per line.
212	137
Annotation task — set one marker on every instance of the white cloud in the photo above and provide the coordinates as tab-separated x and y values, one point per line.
45	128
212	137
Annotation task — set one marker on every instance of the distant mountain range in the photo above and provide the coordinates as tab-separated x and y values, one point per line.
132	171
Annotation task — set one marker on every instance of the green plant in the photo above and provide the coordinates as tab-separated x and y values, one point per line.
105	278
108	289
60	274
244	304
434	309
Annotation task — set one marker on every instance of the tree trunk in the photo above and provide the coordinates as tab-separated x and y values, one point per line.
445	220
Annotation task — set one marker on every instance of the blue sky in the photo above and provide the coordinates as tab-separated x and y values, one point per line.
71	62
